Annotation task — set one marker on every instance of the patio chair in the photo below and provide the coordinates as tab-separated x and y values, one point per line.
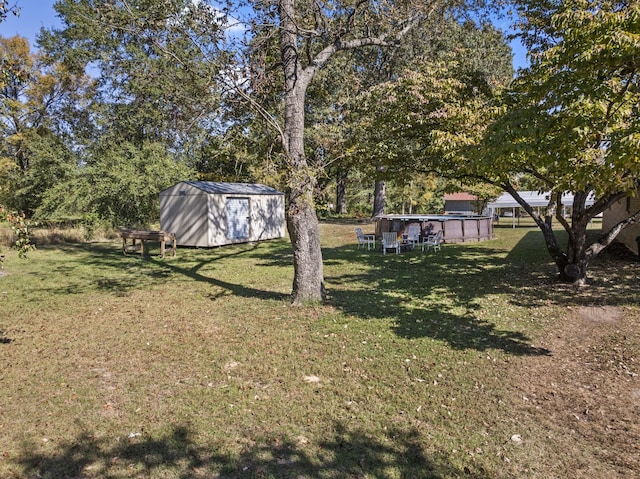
432	240
365	239
390	241
413	235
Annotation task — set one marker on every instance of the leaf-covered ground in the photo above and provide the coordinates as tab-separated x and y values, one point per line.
471	362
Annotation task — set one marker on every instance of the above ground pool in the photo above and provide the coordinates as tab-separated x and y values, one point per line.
456	229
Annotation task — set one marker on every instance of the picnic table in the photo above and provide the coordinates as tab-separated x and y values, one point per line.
146	235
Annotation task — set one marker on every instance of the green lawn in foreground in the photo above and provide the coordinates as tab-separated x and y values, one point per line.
197	366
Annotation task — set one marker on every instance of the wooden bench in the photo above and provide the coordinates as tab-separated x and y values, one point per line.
146	235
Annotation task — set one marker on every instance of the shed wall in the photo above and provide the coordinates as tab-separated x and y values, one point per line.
267	217
186	216
217	221
618	212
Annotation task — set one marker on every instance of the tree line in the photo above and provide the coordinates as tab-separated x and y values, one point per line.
329	101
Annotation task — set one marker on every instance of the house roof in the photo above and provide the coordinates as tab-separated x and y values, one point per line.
532	198
459	197
215	187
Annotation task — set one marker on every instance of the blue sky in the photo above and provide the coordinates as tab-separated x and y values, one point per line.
35	14
32	18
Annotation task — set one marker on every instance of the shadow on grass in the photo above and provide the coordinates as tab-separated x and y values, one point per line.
466	332
235	288
347	454
612	275
436	295
109	270
89	266
433	295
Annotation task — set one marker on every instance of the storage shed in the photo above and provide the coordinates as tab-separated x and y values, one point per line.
206	213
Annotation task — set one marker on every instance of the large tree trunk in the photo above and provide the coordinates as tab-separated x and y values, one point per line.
308	283
308	280
302	222
379	198
575	269
341	192
572	264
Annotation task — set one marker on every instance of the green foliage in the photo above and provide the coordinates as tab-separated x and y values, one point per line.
40	106
422	194
438	104
119	184
233	156
50	162
20	227
157	63
572	117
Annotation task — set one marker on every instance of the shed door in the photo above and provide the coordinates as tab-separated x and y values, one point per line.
237	218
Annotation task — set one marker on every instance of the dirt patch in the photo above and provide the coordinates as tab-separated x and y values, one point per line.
599	314
584	397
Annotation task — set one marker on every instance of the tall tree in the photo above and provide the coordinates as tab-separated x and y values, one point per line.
155	84
398	120
310	34
40	105
572	120
385	119
157	98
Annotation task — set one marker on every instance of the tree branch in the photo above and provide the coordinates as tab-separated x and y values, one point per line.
611	235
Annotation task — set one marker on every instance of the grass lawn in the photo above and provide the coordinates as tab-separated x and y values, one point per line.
467	363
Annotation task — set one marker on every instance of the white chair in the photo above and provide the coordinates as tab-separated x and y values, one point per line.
365	239
390	241
413	235
432	240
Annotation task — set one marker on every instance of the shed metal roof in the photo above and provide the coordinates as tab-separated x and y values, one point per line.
215	187
533	198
